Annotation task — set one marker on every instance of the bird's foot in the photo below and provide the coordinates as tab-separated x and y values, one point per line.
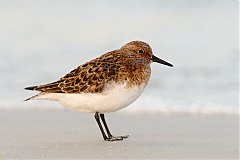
116	138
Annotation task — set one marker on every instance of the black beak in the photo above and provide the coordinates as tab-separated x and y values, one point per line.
158	60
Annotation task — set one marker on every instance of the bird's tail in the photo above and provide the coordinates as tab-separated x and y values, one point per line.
42	95
31	88
33	97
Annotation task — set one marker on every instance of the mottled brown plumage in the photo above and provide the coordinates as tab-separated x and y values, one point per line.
130	64
108	83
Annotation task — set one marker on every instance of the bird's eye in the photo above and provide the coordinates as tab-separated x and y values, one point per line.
140	51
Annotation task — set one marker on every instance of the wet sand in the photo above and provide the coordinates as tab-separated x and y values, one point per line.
63	134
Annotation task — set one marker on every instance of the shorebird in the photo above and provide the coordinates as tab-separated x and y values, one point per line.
105	84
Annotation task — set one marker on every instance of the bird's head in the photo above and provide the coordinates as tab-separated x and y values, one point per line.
143	52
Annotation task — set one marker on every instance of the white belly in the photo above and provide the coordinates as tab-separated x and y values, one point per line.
116	98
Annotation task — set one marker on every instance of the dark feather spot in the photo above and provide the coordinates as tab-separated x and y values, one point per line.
105	69
83	74
95	77
90	70
68	89
67	81
85	78
83	88
90	82
111	72
77	81
85	65
101	76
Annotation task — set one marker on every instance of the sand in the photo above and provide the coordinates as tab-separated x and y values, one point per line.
64	134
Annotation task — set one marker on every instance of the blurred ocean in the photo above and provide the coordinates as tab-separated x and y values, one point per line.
40	41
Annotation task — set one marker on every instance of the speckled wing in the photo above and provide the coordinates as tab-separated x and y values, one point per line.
87	78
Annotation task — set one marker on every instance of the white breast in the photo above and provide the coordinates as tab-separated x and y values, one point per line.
114	98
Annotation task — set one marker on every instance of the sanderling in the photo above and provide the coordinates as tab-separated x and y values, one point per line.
105	84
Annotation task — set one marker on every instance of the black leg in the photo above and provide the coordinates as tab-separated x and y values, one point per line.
110	136
100	126
105	125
